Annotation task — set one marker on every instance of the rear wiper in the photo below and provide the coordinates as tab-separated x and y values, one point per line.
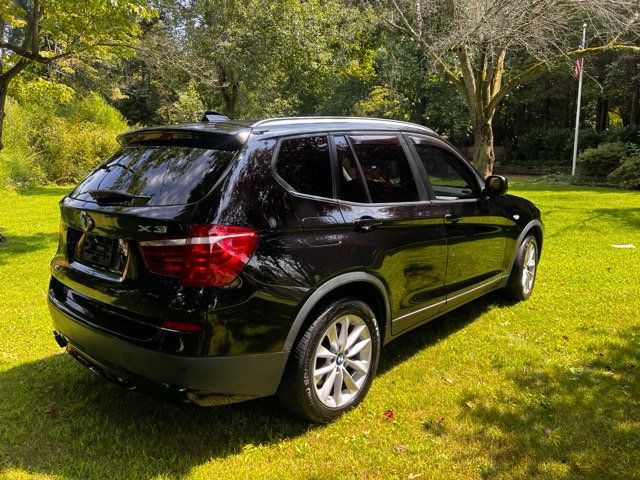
115	196
109	166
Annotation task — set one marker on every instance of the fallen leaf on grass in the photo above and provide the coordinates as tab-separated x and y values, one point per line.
389	415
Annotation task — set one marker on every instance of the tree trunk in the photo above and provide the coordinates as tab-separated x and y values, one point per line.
635	105
483	153
602	114
3	100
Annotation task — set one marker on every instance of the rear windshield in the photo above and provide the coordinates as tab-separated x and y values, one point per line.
166	174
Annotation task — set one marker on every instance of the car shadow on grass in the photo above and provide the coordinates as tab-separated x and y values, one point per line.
564	421
58	419
432	332
25	244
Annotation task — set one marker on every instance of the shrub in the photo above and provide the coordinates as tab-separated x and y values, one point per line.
52	135
545	146
628	173
627	134
602	160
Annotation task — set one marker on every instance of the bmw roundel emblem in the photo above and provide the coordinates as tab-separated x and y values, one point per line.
86	221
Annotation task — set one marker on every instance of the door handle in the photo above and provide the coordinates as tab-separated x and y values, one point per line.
366	224
451	218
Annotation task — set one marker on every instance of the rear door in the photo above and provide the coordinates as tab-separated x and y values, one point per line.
476	232
398	235
313	251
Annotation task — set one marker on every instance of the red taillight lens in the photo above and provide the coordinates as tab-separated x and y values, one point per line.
212	255
181	326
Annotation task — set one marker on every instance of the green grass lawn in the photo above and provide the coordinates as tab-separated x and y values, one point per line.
549	388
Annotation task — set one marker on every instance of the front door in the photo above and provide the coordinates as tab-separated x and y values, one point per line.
476	233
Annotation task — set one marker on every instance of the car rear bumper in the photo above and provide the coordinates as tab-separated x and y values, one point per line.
246	376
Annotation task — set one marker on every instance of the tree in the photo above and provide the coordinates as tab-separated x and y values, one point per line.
39	32
250	58
487	49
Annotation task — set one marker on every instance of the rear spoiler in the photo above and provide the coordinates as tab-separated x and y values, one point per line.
197	135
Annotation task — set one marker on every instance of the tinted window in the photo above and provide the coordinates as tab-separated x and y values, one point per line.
169	175
445	173
351	185
304	163
385	168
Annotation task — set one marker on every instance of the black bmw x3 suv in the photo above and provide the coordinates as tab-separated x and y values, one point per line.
225	261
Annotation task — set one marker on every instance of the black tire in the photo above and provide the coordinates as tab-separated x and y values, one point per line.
298	391
517	288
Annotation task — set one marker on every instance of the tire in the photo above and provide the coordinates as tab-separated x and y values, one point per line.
524	270
325	349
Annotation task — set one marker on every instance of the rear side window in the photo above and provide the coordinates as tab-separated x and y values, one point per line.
167	174
386	169
351	185
304	163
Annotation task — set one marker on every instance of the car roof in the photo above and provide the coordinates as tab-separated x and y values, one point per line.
287	126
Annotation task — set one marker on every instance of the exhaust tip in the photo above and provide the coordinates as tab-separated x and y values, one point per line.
60	339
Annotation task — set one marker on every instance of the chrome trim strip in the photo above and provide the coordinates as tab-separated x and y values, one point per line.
437	304
467	292
172	242
447	300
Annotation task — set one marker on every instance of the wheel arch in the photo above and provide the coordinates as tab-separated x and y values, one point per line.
534	227
359	285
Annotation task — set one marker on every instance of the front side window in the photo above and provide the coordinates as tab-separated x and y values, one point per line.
304	163
444	171
385	168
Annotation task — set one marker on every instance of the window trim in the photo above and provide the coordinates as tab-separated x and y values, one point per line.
436	142
285	184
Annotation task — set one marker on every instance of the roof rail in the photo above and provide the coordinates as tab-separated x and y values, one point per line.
211	116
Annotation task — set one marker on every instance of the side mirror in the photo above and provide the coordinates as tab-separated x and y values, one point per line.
495	185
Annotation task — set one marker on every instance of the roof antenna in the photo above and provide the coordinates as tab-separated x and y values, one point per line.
211	116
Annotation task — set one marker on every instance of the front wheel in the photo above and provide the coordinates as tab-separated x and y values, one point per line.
523	272
332	366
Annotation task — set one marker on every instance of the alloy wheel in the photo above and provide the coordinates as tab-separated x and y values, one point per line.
342	361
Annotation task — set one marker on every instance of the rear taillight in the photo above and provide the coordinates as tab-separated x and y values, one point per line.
211	255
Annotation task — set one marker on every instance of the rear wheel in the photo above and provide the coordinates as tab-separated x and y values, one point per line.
332	366
523	272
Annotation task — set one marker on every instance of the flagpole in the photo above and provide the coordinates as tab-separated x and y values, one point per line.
579	107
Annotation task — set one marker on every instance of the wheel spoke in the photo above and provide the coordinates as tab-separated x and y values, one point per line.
324	353
353	336
326	387
357	347
361	366
332	335
349	383
337	386
320	372
344	331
